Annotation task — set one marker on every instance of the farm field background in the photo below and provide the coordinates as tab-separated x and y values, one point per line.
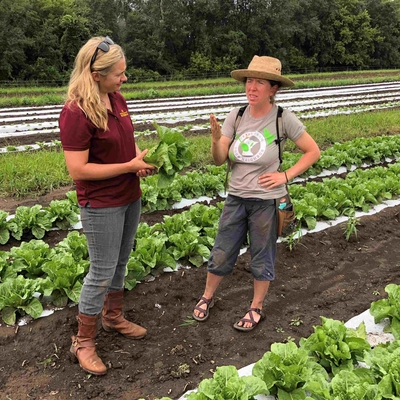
323	275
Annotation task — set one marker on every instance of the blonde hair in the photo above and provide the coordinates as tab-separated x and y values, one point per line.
83	90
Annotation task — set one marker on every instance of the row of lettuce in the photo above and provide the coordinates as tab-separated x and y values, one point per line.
185	237
334	363
160	192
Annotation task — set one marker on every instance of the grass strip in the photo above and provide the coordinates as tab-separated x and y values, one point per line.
31	174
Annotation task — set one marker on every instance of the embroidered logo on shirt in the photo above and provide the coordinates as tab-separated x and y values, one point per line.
249	147
123	113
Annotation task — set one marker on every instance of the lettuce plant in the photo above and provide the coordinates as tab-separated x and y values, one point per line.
4	263
149	253
285	370
177	223
170	155
384	362
4	231
227	384
75	244
73	199
335	346
63	213
358	384
389	308
187	245
29	257
156	198
204	216
135	271
31	219
64	280
17	295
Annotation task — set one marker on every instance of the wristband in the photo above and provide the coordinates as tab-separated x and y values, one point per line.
287	180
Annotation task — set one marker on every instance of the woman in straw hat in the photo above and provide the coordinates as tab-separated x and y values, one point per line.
254	185
102	158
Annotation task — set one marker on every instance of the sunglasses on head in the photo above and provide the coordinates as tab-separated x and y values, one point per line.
103	46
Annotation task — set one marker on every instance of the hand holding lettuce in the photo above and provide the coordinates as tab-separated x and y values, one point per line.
170	155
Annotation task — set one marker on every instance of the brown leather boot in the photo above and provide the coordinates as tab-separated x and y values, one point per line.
113	320
84	347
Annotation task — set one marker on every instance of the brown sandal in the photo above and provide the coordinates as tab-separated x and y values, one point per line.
251	320
202	300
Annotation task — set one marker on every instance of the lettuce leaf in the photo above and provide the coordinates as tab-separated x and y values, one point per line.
286	368
18	295
389	308
335	346
227	384
355	385
170	155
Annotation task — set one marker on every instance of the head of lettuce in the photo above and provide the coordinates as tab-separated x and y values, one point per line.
170	155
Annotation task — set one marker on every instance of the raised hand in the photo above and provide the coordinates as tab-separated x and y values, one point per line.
215	128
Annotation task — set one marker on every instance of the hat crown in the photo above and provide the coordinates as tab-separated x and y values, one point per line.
265	64
263	67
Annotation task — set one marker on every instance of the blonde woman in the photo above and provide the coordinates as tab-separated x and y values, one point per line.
105	163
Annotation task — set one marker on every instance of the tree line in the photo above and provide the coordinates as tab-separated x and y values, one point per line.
40	38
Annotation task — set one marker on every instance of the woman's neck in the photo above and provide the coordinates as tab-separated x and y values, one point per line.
105	99
259	112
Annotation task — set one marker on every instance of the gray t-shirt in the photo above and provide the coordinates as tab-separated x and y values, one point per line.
255	152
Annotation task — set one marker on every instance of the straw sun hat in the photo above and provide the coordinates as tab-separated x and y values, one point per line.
263	68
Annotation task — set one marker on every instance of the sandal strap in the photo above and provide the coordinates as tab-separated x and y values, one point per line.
257	310
251	320
202	300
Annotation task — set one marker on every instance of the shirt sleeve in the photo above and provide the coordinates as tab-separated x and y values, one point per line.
292	127
75	129
228	126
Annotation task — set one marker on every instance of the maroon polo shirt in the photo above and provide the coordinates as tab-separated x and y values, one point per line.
116	145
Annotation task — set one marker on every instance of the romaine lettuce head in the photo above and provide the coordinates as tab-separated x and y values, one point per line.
287	368
227	385
18	294
335	346
170	155
355	385
389	308
384	363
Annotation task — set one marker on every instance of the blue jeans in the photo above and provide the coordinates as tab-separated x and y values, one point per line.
239	217
110	234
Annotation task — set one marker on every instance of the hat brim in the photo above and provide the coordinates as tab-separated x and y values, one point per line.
242	74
